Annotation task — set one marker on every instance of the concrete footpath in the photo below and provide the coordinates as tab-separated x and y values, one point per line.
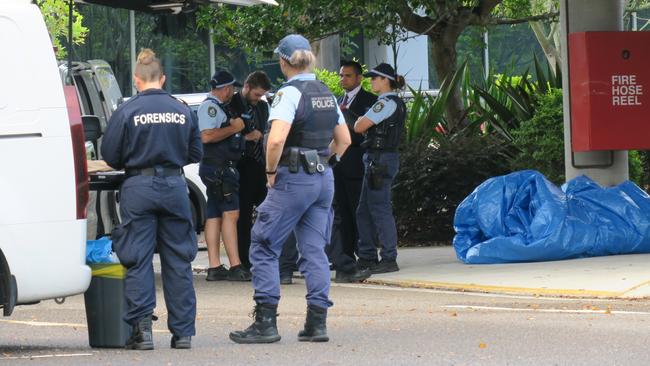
622	276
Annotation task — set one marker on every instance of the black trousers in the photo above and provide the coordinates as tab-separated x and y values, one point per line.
343	244
252	191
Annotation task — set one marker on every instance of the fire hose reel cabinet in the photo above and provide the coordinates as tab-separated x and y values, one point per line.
609	75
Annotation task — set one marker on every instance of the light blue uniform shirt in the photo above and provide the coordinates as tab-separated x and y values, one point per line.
210	114
382	109
286	100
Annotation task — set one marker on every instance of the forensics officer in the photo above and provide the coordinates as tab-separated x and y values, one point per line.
152	136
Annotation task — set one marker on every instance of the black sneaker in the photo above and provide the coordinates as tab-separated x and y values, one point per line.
286	278
356	275
239	273
386	266
217	274
181	342
366	264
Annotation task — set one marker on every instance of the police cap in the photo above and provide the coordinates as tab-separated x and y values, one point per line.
223	78
383	70
290	44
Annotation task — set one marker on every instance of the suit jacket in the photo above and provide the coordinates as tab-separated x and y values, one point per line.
351	165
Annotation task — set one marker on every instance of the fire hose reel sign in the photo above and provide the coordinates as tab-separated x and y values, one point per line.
626	90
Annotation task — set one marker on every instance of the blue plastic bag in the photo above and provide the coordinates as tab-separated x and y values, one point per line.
522	217
100	251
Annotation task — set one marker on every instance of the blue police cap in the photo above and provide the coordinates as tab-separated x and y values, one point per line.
223	78
383	69
290	44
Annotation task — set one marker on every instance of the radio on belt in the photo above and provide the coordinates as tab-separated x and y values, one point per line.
609	76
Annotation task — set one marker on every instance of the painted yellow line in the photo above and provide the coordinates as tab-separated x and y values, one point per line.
51	324
495	289
538	310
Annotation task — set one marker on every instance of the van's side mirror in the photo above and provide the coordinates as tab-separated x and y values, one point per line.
92	128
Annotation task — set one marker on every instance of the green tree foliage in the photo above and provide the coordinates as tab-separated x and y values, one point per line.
55	13
258	29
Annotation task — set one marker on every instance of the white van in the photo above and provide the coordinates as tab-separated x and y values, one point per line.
44	180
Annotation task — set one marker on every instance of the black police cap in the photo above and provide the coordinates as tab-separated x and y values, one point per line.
383	69
223	78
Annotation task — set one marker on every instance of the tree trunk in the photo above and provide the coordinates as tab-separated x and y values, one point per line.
443	54
547	43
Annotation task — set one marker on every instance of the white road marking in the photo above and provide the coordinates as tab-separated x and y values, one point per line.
49	324
532	310
30	357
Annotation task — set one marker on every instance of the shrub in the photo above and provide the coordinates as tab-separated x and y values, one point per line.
433	180
541	139
331	79
635	165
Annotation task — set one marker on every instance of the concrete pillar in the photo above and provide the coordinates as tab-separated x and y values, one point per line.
328	53
608	168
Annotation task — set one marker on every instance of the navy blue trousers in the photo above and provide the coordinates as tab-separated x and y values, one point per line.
301	203
375	221
156	210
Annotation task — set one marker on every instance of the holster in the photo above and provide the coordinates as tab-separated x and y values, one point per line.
376	174
214	185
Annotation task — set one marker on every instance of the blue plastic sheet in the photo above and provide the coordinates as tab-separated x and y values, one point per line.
100	251
522	217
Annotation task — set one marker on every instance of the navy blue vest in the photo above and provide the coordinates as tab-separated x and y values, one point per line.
390	129
315	119
230	148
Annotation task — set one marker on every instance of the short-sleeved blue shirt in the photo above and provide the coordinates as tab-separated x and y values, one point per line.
210	114
286	100
383	108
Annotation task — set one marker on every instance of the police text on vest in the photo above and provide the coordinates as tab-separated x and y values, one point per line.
323	103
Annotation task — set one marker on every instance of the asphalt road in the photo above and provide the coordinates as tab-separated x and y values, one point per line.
368	326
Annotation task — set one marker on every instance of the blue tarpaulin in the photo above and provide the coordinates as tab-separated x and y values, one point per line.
522	217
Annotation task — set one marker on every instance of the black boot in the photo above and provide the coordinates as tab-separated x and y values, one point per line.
263	330
141	338
315	325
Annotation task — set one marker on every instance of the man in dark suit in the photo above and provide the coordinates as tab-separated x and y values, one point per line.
348	177
252	179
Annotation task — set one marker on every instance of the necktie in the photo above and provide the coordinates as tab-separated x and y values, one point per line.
255	147
345	101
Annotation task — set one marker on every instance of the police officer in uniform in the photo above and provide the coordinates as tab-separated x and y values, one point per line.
223	146
252	181
307	127
348	178
382	125
152	136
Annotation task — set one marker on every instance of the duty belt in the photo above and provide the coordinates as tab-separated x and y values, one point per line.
154	172
309	159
